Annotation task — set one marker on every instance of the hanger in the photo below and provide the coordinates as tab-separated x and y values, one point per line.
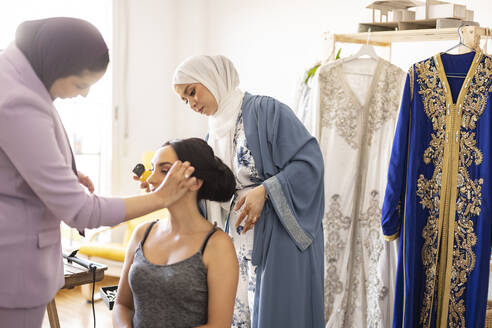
487	36
460	43
365	50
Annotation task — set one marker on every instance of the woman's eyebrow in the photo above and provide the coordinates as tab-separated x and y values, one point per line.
186	89
161	164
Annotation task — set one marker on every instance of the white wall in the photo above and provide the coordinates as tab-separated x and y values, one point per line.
271	43
149	113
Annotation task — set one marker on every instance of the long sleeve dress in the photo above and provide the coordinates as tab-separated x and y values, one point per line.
438	194
359	103
285	250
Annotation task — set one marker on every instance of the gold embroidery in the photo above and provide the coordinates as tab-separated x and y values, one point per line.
386	101
393	236
475	100
336	227
341	110
468	191
338	109
429	191
411	77
468	202
373	247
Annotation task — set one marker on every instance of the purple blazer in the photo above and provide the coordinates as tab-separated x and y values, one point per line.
38	188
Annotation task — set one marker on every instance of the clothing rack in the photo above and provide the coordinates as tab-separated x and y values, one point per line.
386	38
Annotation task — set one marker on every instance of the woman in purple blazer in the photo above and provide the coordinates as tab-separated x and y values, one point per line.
39	183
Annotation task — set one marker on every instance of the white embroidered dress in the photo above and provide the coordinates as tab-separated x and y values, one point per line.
358	114
247	177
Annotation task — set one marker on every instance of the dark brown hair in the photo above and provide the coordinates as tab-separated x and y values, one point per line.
219	183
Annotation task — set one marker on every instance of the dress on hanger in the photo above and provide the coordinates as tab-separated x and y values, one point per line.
358	115
438	195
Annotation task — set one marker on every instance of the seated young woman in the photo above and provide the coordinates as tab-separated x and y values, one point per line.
181	271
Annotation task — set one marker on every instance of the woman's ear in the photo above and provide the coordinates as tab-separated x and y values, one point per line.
197	185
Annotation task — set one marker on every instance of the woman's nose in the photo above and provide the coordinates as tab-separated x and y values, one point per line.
151	179
193	105
85	93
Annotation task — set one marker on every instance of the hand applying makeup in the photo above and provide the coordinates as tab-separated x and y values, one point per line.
252	204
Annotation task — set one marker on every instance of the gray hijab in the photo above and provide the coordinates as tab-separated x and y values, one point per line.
61	46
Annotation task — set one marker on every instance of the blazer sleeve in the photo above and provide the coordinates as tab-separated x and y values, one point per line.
27	136
394	198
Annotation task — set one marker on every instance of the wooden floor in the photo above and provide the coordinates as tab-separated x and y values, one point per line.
75	312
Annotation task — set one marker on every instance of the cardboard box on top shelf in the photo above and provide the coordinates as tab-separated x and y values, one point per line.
447	10
403	15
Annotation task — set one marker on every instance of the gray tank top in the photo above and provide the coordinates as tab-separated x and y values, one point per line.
174	295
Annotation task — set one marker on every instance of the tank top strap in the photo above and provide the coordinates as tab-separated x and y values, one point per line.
148	231
211	232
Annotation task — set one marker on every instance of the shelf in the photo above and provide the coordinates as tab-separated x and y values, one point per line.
386	38
433	23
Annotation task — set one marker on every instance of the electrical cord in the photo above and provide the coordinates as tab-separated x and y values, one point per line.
93	268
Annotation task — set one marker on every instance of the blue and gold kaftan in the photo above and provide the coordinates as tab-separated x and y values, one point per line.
438	197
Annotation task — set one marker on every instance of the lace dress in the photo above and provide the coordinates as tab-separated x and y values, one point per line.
358	114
